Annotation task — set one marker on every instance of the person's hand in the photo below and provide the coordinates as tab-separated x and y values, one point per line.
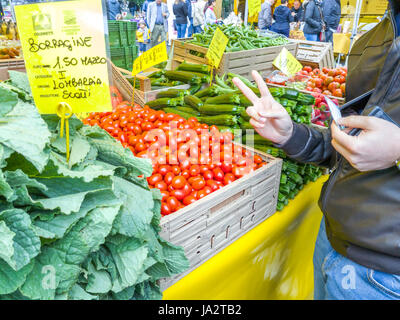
164	14
293	14
377	147
268	117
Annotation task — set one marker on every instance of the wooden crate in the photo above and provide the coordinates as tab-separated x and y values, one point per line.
209	225
315	54
241	62
13	64
145	93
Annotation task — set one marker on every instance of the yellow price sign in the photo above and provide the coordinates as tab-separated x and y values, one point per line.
287	63
150	58
217	48
254	7
65	55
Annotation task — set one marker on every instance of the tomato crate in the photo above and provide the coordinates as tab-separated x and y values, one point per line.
145	93
315	54
240	62
209	225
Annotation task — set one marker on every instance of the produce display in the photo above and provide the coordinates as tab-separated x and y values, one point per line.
240	38
321	114
190	159
9	30
10	49
83	229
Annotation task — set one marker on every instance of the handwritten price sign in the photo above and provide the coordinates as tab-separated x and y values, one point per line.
254	7
65	55
217	48
150	58
287	63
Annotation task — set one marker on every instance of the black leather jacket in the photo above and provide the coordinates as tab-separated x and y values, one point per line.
362	209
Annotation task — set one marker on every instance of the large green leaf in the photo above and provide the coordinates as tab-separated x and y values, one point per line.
20	80
26	243
8	100
6	242
24	131
11	280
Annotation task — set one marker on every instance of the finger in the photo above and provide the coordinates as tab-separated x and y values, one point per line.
253	113
343	151
342	138
257	124
261	84
246	90
360	122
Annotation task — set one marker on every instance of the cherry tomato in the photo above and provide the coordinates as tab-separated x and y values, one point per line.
194	170
189	200
152	180
185	174
208	175
229	178
178	193
173	203
169	176
164	169
176	170
208	189
140	147
212	184
187	189
257	159
201	194
178	182
198	183
161	185
165	209
226	167
218	174
164	194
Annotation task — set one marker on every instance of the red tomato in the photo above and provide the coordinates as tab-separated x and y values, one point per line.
257	159
173	203
178	193
198	183
201	194
169	176
165	209
208	175
164	169
161	185
218	174
178	182
187	189
152	180
185	174
164	194
229	178
208	189
176	170
337	93
189	200
194	170
213	184
140	147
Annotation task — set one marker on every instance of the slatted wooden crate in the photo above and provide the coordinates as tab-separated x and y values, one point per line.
145	93
315	54
241	62
12	63
209	225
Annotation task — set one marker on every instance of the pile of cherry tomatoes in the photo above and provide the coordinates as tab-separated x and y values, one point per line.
331	82
190	160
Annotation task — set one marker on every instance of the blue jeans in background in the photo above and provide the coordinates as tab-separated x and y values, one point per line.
181	28
190	29
197	29
339	278
284	32
311	37
142	47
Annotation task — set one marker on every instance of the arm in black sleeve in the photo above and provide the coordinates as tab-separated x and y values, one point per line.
308	17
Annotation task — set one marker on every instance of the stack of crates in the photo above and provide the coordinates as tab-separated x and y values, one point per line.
122	39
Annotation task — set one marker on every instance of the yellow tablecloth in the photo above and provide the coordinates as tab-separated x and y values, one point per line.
272	261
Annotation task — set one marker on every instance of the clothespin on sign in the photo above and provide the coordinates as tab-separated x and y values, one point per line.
64	111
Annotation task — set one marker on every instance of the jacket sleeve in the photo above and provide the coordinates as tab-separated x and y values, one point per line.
308	17
291	18
185	10
268	15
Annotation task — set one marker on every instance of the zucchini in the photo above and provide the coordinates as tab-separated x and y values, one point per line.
183	76
188	109
200	68
215	109
195	88
193	101
165	102
172	93
178	112
244	101
257	139
246	125
244	115
227	98
207	92
222	119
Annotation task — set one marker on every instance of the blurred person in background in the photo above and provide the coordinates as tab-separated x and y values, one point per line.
312	19
198	16
297	9
113	9
265	15
157	20
180	9
190	17
283	17
142	36
332	13
209	14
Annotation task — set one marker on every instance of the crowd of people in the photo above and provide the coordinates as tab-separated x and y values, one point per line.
318	19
